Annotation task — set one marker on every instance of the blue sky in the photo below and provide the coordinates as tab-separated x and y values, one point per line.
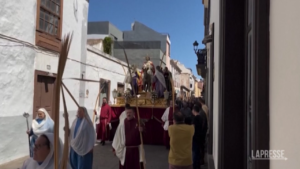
182	19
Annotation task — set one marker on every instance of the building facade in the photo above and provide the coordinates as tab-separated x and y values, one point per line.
30	40
176	71
185	84
109	70
32	32
139	42
245	45
198	85
198	88
143	41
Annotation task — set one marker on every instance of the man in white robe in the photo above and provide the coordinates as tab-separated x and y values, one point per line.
167	118
119	141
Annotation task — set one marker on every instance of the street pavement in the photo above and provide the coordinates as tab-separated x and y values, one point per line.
156	158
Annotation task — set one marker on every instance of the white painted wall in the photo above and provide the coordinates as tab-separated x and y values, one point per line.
285	82
106	67
214	18
17	65
175	75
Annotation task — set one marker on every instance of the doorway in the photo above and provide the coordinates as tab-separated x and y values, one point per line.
44	87
105	91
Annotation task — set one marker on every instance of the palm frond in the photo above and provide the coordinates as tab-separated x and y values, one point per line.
64	51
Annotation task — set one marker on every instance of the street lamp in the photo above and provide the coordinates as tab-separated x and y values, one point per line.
195	44
201	54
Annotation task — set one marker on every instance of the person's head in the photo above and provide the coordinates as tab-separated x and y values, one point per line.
196	110
80	112
41	114
41	148
166	69
158	68
178	117
104	100
201	100
129	112
147	58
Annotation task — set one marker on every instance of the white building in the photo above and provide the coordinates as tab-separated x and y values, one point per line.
253	83
185	84
28	66
104	67
176	71
192	81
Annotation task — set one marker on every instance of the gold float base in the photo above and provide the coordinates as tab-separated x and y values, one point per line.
144	100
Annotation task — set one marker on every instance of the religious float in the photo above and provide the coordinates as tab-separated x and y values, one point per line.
150	104
151	110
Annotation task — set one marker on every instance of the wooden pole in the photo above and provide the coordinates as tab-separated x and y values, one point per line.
67	133
65	47
162	59
98	97
70	94
136	103
173	93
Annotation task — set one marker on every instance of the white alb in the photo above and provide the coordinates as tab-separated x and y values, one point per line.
165	118
119	141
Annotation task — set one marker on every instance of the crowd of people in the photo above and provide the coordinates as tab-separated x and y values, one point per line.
185	125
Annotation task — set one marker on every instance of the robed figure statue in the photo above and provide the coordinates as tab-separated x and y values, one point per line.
148	70
135	82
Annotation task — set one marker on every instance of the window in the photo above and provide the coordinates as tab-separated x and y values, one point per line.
49	24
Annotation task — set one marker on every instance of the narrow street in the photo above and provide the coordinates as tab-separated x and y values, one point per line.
156	157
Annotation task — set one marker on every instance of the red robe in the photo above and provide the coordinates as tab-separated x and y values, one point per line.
132	142
166	134
105	118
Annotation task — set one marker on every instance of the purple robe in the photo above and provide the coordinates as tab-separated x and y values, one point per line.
159	88
132	137
135	77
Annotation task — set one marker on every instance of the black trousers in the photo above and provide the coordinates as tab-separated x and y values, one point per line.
202	149
196	155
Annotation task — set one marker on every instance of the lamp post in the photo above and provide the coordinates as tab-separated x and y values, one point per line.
202	65
195	44
115	94
201	53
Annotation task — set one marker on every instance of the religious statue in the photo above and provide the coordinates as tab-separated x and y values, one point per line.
160	83
168	77
135	82
148	71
